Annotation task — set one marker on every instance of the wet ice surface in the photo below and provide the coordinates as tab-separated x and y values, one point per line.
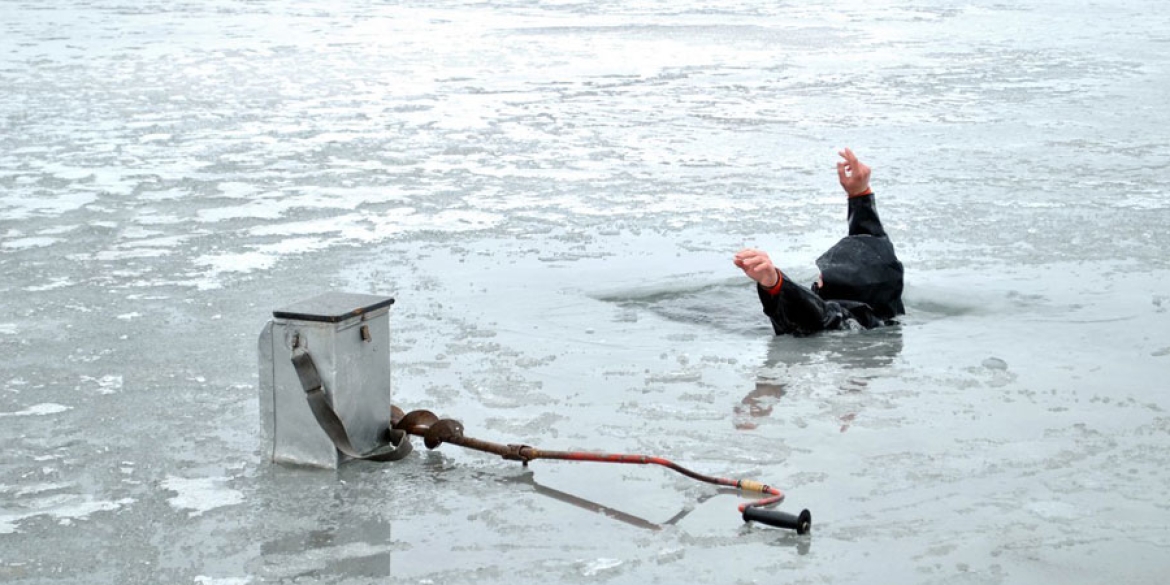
553	191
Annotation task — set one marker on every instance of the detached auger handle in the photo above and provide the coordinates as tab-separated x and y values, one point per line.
801	524
436	431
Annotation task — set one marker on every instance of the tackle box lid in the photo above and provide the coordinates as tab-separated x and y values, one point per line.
333	307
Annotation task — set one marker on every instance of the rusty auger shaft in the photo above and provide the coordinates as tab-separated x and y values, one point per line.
435	431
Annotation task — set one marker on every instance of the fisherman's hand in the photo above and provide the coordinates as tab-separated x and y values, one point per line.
758	266
853	173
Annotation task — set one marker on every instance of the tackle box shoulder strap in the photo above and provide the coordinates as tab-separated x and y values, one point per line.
397	445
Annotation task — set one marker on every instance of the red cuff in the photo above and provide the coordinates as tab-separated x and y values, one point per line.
862	194
775	290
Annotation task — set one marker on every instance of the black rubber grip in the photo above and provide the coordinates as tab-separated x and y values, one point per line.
801	524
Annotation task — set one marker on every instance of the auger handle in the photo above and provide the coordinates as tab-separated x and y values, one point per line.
801	524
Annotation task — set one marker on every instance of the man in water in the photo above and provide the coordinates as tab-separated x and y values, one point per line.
860	284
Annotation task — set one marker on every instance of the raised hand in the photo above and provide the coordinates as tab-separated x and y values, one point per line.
853	173
758	266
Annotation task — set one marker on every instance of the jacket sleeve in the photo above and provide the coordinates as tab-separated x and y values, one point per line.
794	309
863	217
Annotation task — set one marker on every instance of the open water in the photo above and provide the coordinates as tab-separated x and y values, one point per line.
553	192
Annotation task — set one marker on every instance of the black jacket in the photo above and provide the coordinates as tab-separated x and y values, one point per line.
862	282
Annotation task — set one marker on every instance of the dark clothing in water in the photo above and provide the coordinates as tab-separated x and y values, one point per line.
862	282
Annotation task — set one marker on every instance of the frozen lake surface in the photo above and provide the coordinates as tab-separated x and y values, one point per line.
553	192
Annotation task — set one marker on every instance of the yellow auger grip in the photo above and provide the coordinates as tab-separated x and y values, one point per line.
752	486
